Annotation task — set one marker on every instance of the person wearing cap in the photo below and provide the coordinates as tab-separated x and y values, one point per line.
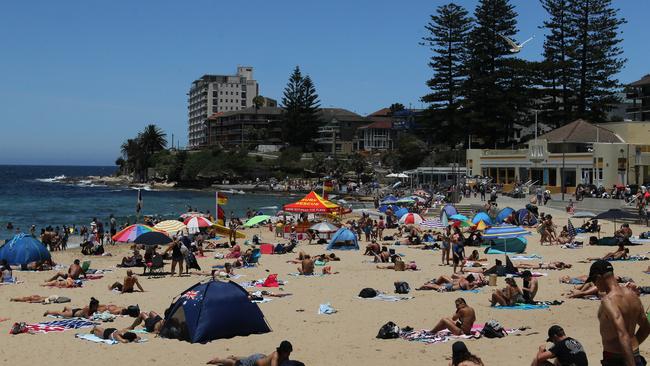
278	357
565	350
530	287
619	314
460	356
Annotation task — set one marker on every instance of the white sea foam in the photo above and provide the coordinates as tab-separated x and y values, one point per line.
52	180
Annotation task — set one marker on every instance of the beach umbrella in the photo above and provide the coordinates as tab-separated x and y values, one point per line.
153	238
256	220
433	224
411	219
131	232
584	215
390	199
571	230
448	210
170	226
191	214
458	217
615	214
418	199
505	232
405	201
194	224
324	227
23	249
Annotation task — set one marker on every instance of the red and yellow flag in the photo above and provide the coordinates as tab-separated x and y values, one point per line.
221	199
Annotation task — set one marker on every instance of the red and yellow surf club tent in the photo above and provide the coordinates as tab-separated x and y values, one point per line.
312	203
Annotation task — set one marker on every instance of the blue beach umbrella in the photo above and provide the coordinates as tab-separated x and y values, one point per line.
23	249
506	233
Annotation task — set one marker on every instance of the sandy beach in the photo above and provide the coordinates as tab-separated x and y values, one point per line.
344	338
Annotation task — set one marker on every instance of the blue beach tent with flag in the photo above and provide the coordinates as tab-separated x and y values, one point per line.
23	249
344	239
213	310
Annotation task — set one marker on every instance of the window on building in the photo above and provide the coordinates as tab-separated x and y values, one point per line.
214	94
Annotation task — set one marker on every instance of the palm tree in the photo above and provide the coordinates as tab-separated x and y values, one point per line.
152	139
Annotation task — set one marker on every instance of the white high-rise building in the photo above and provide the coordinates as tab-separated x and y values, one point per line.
214	94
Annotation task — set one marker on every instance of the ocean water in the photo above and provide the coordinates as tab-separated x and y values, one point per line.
34	195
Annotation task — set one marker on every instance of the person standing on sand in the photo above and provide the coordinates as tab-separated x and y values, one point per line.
619	314
461	322
113	228
177	256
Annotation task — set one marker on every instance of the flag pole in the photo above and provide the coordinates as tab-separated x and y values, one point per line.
216	211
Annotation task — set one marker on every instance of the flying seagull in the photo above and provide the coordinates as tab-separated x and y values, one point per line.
514	47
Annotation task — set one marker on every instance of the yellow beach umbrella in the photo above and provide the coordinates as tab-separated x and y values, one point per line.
171	227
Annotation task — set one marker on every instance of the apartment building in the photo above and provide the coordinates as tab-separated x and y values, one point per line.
217	94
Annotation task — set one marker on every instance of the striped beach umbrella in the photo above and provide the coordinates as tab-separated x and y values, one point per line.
505	232
433	224
411	219
194	224
571	230
170	226
129	233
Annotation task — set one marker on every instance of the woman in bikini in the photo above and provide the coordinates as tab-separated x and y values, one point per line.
122	336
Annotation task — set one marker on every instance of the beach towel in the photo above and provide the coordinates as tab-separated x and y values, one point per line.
425	336
473	291
262	301
522	307
632	258
326	309
270	281
535	274
530	257
14	282
296	274
60	325
389	298
571	246
93	338
103	317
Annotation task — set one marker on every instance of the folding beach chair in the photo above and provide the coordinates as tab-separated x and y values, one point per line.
156	267
254	258
85	266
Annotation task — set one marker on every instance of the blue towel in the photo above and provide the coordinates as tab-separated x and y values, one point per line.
522	307
474	291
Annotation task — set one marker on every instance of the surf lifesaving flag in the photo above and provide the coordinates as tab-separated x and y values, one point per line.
328	187
221	199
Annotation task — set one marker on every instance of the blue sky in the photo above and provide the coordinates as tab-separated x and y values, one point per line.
79	77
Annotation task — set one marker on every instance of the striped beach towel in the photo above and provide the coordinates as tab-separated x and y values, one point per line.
59	325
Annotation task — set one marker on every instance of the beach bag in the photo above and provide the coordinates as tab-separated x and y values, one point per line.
402	287
389	330
367	293
492	329
19	328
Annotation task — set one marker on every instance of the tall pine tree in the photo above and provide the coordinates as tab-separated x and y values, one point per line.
301	106
597	55
559	67
448	31
490	114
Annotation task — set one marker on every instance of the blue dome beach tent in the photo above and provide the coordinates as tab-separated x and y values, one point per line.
507	239
401	212
448	209
23	249
213	310
482	216
503	215
343	239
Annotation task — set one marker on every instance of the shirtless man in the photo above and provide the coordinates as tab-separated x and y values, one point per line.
461	322
276	358
559	265
621	253
152	322
619	314
307	266
130	281
66	283
68	312
74	272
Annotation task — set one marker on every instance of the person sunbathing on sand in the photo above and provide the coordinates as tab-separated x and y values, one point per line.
454	283
74	272
152	322
617	255
69	312
66	283
278	357
130	281
400	265
122	336
32	299
461	322
551	265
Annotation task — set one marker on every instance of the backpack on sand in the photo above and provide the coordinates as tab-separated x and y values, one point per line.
389	330
492	329
402	287
368	293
